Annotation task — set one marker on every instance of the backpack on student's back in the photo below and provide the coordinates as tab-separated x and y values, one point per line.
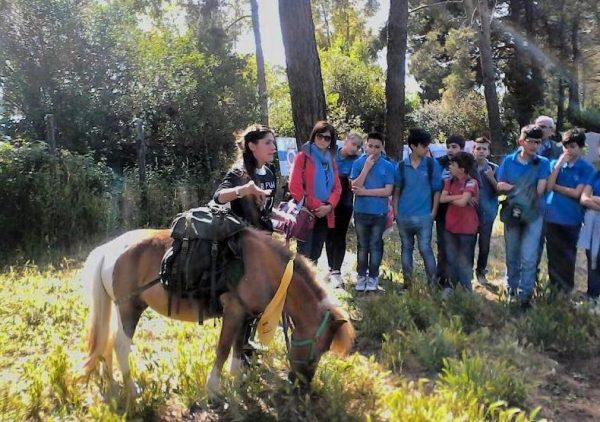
401	173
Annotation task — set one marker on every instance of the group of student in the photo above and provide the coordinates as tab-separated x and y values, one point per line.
548	190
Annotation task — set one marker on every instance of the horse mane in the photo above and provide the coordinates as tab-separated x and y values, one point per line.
344	336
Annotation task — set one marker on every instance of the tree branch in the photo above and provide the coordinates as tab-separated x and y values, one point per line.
425	6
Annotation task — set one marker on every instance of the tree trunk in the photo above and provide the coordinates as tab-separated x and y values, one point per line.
395	83
260	65
487	70
574	106
303	66
562	81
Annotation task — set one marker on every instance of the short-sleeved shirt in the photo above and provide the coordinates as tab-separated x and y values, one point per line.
562	209
246	208
415	198
512	170
380	175
488	197
594	182
462	220
344	165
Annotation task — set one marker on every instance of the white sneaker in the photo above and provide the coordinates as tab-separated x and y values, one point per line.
335	279
361	283
372	283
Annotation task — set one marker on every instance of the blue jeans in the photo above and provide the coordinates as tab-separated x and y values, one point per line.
485	239
593	290
420	226
522	244
369	236
460	250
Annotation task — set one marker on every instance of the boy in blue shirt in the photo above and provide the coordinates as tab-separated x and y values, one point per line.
372	183
488	204
563	212
418	182
522	177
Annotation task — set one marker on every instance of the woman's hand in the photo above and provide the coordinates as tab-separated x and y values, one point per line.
251	189
504	186
323	210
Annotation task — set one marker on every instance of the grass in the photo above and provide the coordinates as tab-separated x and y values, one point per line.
419	357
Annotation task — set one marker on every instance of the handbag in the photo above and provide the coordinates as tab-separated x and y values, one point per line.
297	220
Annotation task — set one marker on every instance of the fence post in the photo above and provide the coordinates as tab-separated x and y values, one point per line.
141	151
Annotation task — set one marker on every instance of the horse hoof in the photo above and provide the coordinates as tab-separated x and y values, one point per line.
213	385
133	391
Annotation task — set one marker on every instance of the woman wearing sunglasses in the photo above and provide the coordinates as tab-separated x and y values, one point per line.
314	179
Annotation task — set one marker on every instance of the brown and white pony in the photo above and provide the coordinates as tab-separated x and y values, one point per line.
118	270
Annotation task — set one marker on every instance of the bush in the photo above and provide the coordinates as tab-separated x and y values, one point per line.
483	378
50	200
555	326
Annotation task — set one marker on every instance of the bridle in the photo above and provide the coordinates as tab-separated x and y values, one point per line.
310	342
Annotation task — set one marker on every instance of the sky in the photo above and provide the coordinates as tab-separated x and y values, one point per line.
270	30
274	53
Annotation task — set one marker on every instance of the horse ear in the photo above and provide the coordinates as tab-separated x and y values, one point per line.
343	336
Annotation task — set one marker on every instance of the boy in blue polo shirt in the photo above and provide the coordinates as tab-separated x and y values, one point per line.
563	212
522	177
418	182
372	183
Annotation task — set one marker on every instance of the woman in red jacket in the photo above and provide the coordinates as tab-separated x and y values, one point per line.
314	177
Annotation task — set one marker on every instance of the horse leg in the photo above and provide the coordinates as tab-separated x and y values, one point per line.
128	317
233	320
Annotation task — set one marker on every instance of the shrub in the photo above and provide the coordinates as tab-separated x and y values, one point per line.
556	326
50	200
483	378
437	343
412	402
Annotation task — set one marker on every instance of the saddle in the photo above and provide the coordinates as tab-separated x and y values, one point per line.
205	257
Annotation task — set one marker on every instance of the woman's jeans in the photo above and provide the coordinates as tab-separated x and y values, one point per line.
522	243
421	227
369	235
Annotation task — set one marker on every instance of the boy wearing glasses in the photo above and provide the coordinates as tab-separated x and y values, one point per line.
372	183
522	177
488	204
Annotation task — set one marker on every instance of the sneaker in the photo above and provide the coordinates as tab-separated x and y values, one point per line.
511	295
361	283
372	283
482	279
446	292
335	279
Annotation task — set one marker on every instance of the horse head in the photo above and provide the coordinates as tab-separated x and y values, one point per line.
333	333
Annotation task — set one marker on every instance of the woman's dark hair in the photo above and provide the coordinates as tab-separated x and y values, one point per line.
576	135
323	126
252	134
464	160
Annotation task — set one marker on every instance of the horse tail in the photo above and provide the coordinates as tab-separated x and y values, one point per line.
100	312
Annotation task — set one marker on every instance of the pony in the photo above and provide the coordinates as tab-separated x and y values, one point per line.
123	274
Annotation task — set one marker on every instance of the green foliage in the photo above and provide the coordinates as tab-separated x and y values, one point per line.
465	115
487	380
556	326
50	200
437	343
414	402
